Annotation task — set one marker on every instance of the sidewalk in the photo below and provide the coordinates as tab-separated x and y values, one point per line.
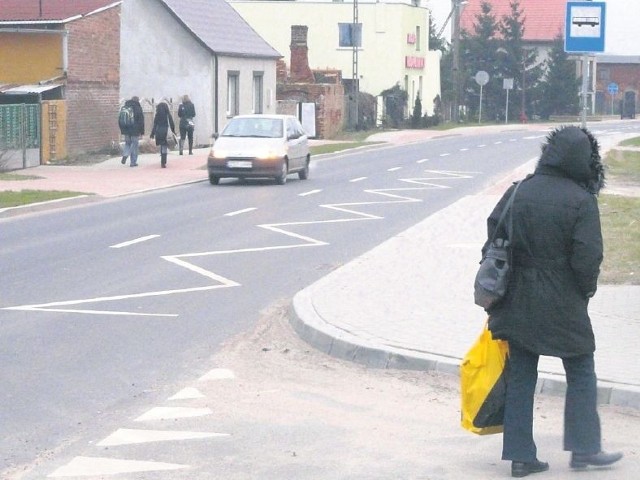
416	310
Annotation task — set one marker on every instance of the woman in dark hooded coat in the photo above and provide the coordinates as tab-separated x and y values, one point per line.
557	251
162	122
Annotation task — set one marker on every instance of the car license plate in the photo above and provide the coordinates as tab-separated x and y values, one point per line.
239	164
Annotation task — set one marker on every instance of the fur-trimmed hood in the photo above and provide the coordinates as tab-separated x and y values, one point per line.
575	152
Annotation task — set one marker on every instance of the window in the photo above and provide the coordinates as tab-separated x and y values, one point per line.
233	90
257	92
350	35
418	38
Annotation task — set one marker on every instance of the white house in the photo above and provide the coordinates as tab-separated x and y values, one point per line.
201	48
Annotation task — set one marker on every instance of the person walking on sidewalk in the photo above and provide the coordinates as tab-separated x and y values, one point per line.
556	255
186	113
131	129
162	123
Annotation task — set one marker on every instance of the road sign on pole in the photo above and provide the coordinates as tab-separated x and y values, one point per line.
584	27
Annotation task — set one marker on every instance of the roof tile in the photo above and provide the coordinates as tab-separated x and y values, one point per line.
543	19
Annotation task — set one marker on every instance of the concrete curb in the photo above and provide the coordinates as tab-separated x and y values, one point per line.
344	345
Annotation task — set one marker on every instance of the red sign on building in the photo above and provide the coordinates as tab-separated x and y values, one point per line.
414	62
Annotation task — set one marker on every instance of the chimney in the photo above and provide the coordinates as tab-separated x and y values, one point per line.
300	71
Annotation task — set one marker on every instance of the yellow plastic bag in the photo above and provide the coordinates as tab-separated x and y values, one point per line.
483	385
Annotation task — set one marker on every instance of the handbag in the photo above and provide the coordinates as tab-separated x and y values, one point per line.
492	278
483	381
172	140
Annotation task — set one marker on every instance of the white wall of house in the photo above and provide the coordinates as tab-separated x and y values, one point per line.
391	32
161	61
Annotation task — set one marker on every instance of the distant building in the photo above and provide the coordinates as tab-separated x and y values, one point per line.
543	20
391	37
617	83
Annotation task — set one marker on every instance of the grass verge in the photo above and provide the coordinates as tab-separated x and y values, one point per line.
24	197
620	217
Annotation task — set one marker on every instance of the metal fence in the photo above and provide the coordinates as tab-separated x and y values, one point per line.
20	129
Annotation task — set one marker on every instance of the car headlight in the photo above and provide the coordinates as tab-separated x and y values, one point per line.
219	153
272	154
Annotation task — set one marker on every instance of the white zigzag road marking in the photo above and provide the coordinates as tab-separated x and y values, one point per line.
392	195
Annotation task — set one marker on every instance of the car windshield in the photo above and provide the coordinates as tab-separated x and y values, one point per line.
253	127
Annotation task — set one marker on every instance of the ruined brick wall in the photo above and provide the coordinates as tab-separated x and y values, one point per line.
93	82
329	100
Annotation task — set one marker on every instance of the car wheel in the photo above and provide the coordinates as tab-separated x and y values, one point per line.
304	173
282	178
213	180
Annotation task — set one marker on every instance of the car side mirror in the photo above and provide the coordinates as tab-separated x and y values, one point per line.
215	135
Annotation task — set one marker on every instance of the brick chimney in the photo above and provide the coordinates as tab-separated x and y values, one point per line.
300	71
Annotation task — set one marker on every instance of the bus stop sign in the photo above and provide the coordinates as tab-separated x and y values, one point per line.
584	27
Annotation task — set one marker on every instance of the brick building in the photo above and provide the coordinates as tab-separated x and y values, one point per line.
91	55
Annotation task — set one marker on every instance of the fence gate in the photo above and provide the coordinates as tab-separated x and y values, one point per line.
19	136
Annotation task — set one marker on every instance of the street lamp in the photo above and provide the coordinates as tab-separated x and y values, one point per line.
456	8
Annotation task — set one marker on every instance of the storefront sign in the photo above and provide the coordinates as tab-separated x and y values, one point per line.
414	62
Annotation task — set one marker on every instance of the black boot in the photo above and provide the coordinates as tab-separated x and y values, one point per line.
124	159
163	160
190	147
181	144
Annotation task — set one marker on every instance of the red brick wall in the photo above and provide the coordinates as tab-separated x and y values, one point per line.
627	76
329	100
93	82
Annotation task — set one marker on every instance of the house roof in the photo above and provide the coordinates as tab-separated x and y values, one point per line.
543	19
220	28
49	11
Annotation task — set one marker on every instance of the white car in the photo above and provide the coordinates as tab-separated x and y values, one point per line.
255	146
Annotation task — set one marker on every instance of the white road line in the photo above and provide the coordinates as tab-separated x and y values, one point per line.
513	139
481	145
359	179
168	413
92	466
445	154
217	374
464	149
128	436
498	142
311	192
393	169
136	240
423	160
187	393
238	212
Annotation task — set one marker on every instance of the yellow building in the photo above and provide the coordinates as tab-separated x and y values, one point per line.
392	36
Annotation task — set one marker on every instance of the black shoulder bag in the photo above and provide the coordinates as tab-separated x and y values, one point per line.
492	278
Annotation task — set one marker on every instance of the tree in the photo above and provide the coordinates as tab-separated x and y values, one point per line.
519	63
395	99
559	90
480	52
435	42
416	118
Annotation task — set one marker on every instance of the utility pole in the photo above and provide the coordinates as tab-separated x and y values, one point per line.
355	88
455	41
456	7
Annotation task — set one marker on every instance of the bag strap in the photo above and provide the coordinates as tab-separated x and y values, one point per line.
507	209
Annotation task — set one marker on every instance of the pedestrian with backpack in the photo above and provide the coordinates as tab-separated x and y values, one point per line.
162	124
131	123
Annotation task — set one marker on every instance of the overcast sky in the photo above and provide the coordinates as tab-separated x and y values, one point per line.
622	30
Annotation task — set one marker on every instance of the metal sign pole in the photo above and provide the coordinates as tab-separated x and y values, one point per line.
585	83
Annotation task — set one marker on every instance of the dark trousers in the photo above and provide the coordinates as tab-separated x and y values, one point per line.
186	132
581	421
